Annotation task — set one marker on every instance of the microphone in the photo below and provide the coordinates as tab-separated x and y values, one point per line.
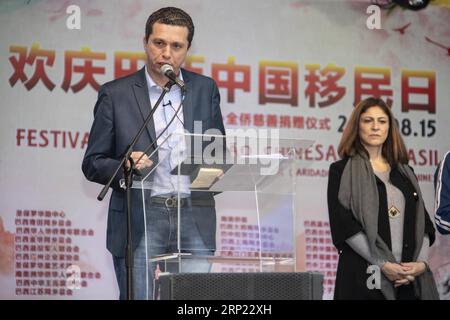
167	70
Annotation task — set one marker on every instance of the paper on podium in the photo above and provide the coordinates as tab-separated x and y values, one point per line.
206	178
202	176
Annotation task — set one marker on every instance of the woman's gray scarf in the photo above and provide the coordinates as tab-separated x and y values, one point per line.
358	192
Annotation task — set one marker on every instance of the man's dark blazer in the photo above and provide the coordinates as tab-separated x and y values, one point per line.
121	108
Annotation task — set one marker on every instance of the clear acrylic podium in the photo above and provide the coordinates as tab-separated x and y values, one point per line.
240	192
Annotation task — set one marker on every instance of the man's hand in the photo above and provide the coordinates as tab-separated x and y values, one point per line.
140	159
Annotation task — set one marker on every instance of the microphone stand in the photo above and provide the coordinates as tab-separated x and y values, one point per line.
128	172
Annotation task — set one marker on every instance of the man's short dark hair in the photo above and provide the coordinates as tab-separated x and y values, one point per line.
171	16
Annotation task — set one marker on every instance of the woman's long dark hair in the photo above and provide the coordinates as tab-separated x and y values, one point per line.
394	150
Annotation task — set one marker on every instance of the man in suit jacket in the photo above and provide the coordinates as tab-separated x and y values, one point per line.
121	108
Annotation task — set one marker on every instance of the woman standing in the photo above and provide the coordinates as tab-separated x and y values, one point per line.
377	214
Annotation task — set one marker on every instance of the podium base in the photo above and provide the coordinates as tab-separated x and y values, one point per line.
242	286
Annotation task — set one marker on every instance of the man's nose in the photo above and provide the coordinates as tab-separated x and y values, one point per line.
167	52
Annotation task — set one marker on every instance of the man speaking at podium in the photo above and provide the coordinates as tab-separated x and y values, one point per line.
121	108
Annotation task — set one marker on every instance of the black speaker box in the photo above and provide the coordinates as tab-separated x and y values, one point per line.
242	286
